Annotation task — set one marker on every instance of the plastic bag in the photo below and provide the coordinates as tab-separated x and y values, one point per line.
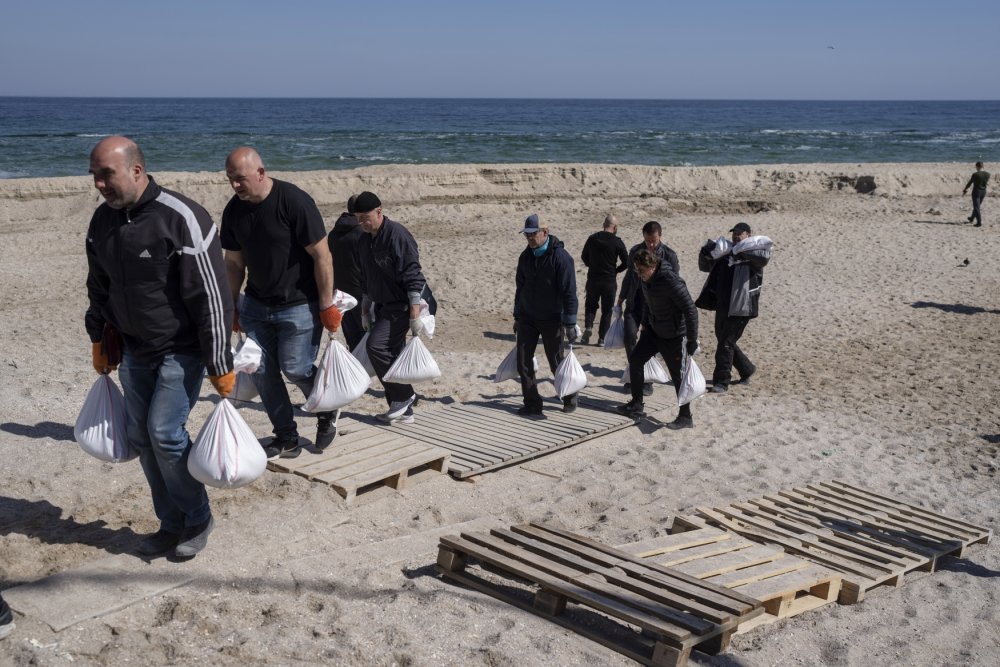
246	361
226	453
340	380
570	376
427	320
414	364
723	247
692	382
507	370
100	427
343	301
614	339
361	354
244	390
752	244
653	371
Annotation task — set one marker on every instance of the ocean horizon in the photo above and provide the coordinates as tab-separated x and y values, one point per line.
52	136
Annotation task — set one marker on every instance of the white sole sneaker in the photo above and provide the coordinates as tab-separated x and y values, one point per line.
398	408
405	418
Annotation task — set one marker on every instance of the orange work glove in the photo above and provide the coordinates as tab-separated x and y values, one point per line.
331	317
236	320
100	359
224	384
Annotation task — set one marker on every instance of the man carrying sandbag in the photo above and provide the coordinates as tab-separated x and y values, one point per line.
631	294
275	238
732	289
669	326
605	257
156	277
545	305
392	281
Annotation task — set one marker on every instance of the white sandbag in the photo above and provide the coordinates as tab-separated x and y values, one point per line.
226	453
100	427
614	339
244	390
723	247
570	376
246	356
414	364
361	354
340	380
343	301
652	371
692	382
753	243
507	370
427	320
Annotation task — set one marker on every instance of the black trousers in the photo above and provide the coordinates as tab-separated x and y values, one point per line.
528	333
728	354
977	201
352	328
386	340
645	349
599	293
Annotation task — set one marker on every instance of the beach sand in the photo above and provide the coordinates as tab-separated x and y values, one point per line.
876	349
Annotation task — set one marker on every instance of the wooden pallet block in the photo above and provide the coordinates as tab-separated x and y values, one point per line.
674	612
368	464
786	585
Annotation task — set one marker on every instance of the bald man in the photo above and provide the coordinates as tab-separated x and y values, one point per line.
275	239
156	289
605	256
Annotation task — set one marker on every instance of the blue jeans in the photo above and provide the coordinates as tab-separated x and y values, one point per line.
159	396
290	338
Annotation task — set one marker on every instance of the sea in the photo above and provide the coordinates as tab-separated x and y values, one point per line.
43	136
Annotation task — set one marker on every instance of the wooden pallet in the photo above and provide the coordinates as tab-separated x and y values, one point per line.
786	584
869	538
673	611
367	462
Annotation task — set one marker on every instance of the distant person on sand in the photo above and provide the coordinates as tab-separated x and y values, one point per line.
392	282
545	305
669	326
977	182
157	284
605	257
735	284
632	296
275	239
343	241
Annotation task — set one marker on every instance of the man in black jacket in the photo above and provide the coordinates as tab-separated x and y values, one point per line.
605	256
632	295
545	304
392	282
156	279
343	241
670	327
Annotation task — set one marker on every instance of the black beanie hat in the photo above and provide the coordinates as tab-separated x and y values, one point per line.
366	201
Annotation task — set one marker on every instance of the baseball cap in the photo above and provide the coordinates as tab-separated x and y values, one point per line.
742	227
531	224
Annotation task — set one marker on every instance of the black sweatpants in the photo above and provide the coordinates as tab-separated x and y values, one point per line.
528	333
600	293
386	340
728	355
672	350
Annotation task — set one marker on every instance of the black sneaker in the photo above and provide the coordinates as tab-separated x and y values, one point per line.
745	379
719	388
283	446
569	403
633	409
681	422
647	389
587	333
326	430
158	543
6	619
529	410
194	539
600	342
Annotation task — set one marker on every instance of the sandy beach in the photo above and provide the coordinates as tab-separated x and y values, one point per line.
877	365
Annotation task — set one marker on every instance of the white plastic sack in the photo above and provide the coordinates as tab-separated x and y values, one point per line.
100	427
614	339
246	361
507	370
343	301
723	246
427	320
340	380
752	243
692	382
226	453
414	364
361	354
244	390
653	371
570	376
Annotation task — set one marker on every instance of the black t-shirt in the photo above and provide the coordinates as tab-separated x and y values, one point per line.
272	236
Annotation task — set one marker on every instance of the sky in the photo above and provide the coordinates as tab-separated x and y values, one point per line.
885	50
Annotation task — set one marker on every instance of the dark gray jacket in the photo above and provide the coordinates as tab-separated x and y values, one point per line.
734	281
670	312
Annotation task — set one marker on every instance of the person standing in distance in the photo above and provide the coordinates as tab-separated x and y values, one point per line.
156	280
392	281
605	256
545	305
275	239
977	182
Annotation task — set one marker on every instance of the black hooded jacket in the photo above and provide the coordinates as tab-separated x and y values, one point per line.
670	311
343	241
546	286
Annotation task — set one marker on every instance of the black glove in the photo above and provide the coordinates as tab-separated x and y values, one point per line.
570	331
692	347
708	248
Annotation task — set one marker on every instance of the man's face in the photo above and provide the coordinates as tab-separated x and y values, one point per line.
247	182
739	236
651	240
371	221
116	180
645	273
536	239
